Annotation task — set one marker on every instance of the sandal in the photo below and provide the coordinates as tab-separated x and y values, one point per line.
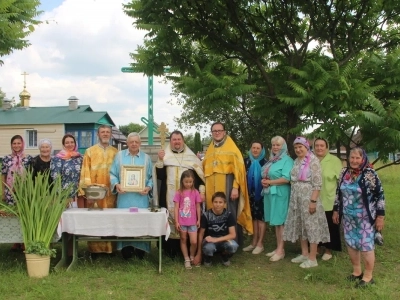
188	264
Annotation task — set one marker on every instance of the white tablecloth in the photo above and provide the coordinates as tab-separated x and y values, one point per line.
115	222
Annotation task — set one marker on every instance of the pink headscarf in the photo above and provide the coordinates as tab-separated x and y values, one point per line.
16	166
305	164
66	154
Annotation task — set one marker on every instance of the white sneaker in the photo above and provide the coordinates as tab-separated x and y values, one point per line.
248	248
299	259
309	264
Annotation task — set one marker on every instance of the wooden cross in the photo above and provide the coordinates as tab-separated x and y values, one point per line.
163	130
24	78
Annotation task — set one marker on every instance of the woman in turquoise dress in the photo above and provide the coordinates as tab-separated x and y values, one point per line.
276	182
133	157
360	198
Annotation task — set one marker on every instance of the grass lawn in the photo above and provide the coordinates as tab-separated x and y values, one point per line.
249	276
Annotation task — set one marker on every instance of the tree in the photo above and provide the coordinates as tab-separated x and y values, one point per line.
248	62
17	20
198	147
189	140
2	96
131	127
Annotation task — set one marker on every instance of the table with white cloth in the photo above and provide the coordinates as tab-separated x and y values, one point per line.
111	224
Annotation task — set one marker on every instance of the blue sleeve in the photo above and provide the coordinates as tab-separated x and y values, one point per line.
149	171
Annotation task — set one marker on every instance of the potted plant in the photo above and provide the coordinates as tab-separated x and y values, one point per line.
38	206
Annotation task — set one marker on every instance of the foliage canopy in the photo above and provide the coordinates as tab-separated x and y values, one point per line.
17	20
278	67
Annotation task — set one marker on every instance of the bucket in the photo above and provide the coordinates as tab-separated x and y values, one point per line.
38	266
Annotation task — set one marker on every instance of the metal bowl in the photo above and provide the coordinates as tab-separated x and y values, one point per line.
95	192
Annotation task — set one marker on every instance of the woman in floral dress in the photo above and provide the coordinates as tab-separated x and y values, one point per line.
15	163
360	198
306	216
67	164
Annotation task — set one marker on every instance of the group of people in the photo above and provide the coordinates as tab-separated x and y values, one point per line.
211	203
307	199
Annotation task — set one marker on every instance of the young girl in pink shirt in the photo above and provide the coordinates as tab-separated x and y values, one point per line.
187	215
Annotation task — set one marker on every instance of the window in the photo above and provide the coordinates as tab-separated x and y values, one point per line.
31	139
86	139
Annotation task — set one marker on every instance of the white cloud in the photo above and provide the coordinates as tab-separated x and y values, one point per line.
79	51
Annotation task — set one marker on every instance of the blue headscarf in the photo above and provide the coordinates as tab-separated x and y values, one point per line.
254	174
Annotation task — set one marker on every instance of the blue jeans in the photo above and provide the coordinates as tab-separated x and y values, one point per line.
227	248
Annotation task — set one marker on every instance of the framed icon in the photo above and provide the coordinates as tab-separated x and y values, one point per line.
132	178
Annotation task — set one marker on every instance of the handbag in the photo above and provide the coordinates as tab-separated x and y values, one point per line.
378	238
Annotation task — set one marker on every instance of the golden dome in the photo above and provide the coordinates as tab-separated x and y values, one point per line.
24	93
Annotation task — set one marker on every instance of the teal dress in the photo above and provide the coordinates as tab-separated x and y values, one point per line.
276	198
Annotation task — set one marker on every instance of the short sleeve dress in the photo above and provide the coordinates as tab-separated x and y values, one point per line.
5	168
300	223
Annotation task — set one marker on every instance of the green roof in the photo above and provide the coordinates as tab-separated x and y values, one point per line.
53	115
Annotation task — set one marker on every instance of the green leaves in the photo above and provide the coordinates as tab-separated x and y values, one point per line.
39	206
17	20
276	67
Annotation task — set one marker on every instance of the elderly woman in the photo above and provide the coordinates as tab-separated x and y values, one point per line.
41	162
360	198
253	168
306	218
67	164
276	177
15	163
125	199
331	166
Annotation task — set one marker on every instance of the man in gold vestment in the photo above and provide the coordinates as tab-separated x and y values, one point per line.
224	171
95	169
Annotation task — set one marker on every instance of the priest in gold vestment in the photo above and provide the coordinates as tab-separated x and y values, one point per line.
224	171
95	169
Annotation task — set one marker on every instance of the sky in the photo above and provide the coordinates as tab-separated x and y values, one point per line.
79	51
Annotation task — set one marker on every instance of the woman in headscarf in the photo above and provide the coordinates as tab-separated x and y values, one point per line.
41	162
276	183
67	164
306	216
331	166
360	198
15	163
253	165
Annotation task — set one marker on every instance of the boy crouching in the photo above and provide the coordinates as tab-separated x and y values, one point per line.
218	226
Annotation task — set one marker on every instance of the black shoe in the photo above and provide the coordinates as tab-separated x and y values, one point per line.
139	253
364	284
94	256
127	252
207	261
354	277
16	248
